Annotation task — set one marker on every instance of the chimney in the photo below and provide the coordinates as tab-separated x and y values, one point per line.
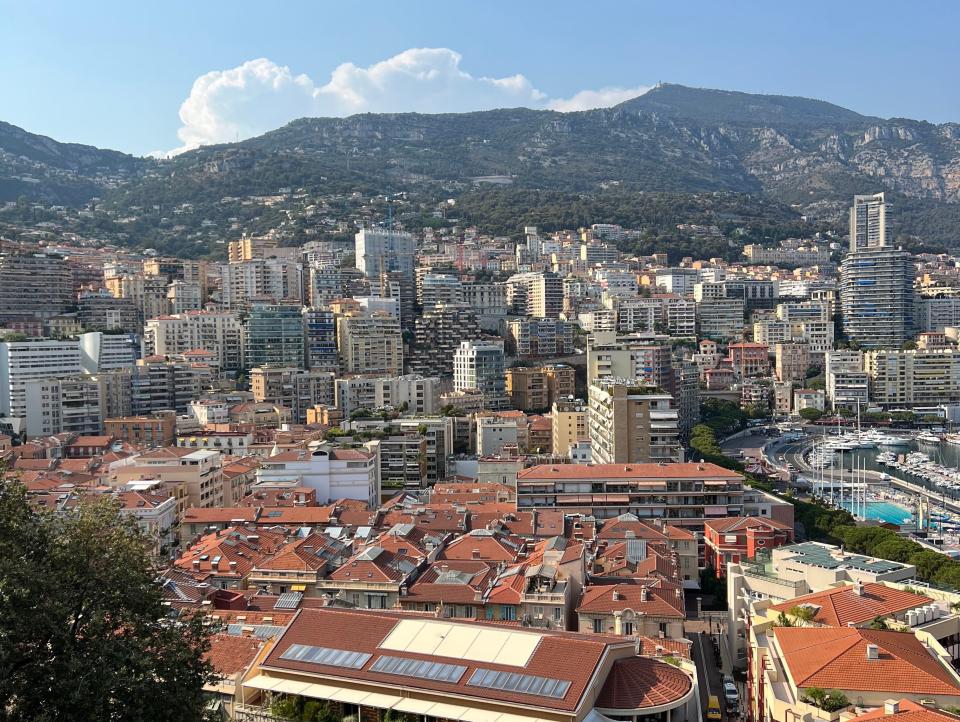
644	594
196	564
475	554
233	566
891	706
873	651
858	588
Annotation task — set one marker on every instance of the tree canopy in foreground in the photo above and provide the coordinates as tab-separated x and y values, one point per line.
84	634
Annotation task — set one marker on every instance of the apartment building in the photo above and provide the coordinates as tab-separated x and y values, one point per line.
438	332
529	338
919	377
274	336
568	417
370	344
877	297
537	388
847	384
193	476
535	294
64	405
162	385
293	388
320	338
332	473
749	359
737	539
261	280
158	429
378	250
25	361
644	358
681	494
630	423
34	286
480	365
108	352
793	361
219	332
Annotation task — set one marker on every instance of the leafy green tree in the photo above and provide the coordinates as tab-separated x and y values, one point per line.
811	414
85	634
878	623
803	613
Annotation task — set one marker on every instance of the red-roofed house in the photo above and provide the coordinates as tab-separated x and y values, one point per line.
737	539
869	666
855	605
647	609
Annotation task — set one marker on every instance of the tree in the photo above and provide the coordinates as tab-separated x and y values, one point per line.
85	633
810	414
878	623
803	613
827	701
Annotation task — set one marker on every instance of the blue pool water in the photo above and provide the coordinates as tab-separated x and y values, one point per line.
884	511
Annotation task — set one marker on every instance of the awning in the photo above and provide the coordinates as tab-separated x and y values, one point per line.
413	706
261	681
350	696
442	710
298	588
480	715
383	701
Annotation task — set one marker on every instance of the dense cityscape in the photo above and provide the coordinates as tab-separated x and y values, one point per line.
437	362
513	453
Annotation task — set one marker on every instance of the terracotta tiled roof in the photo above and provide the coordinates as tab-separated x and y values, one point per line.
452	582
836	658
842	605
736	523
230	654
485	545
662	599
909	711
640	682
558	655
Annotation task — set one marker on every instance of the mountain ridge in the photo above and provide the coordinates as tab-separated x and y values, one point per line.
805	152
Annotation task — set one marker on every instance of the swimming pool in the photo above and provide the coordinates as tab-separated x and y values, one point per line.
884	511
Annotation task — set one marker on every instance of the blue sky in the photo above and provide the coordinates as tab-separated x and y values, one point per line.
124	75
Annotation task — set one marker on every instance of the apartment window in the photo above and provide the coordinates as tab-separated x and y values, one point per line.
557	614
628	629
598	626
508	613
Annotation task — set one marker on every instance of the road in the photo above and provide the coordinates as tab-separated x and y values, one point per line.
709	672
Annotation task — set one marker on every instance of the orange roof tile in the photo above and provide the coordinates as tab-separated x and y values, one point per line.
840	606
836	658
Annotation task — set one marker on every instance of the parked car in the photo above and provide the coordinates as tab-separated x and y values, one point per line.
731	695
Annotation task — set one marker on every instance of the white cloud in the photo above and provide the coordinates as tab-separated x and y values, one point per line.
260	95
590	99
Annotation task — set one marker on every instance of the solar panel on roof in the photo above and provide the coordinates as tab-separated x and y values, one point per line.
418	668
260	631
288	600
343	658
516	682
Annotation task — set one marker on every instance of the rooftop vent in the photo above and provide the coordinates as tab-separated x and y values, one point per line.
891	706
873	651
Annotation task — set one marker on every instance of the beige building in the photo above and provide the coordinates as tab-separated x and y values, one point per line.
569	419
219	332
793	360
927	377
370	344
194	476
631	423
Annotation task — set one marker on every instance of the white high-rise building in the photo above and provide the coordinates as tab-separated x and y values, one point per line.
107	352
379	250
868	222
23	361
480	365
